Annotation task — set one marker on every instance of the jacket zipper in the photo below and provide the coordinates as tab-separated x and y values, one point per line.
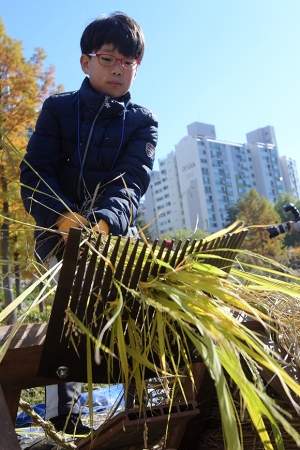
88	144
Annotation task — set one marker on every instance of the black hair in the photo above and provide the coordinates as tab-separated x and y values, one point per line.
117	29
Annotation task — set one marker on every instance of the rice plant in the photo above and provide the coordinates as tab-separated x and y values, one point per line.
186	310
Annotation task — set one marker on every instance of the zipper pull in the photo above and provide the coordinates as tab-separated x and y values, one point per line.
106	102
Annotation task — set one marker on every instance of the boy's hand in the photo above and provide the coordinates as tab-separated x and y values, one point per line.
101	227
68	220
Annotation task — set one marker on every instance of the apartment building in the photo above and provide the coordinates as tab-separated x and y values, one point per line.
163	205
196	185
290	176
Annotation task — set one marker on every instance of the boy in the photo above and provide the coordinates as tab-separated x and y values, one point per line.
93	151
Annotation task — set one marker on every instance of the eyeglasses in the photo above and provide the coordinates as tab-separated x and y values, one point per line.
110	60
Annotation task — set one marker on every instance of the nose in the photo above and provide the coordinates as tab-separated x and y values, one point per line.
117	68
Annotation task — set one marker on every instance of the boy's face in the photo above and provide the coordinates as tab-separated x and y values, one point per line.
115	80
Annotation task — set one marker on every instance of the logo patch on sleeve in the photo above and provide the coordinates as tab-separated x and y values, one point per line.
150	150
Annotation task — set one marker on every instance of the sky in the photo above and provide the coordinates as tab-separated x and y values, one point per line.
231	63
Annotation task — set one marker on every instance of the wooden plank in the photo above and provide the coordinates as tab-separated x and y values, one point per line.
26	336
8	437
186	435
194	427
128	428
12	398
19	367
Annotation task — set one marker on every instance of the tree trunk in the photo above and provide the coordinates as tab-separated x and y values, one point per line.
41	304
7	280
17	277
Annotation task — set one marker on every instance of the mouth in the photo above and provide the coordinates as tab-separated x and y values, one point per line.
114	83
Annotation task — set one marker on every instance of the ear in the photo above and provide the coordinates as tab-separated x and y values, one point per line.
85	63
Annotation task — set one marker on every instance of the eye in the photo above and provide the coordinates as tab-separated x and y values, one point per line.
129	62
106	59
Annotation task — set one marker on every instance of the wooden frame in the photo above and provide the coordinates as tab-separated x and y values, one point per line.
37	352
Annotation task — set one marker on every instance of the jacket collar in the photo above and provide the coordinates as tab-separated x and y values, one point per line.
92	100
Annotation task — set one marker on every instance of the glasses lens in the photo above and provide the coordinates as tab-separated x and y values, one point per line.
110	60
107	60
129	63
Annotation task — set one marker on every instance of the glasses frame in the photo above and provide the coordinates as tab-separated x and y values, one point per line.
138	62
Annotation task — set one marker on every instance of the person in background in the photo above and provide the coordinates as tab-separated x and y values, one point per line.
294	227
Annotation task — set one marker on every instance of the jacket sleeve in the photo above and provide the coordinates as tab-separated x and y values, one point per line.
40	189
129	179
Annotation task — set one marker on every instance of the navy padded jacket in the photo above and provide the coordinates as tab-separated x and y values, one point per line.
117	141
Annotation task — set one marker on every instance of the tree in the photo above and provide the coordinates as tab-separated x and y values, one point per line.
24	84
255	210
232	214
